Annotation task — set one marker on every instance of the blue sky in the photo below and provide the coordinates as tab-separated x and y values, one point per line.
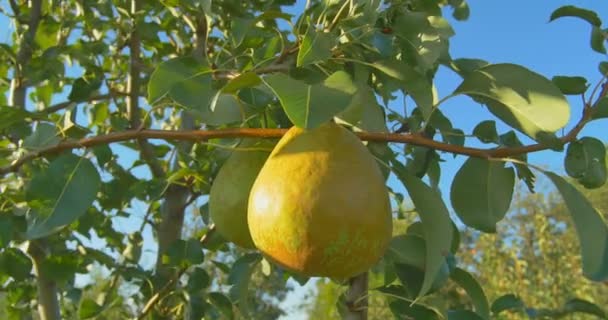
515	31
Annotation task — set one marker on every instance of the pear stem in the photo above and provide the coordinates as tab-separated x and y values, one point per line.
356	298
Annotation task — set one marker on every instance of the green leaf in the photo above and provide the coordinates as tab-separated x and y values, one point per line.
408	249
435	219
184	253
461	11
239	27
486	132
481	193
308	106
580	305
586	161
198	280
60	194
244	80
598	40
170	73
519	97
412	82
194	93
88	309
465	66
600	109
83	88
239	278
590	227
45	135
474	290
463	315
15	264
316	46
570	85
226	109
6	230
222	303
364	113
406	310
573	11
507	302
10	116
603	68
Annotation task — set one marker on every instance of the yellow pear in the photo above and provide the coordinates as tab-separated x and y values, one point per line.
230	190
319	206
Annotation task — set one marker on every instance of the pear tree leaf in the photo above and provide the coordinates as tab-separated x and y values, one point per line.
406	310
507	302
316	46
519	97
222	303
364	113
436	222
239	278
584	306
586	161
481	193
170	73
464	315
60	194
412	82
486	132
573	11
600	109
194	93
570	85
45	135
310	105
89	309
598	40
14	263
590	226
474	290
245	80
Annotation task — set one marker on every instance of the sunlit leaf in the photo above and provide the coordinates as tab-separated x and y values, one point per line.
88	309
519	97
308	106
316	46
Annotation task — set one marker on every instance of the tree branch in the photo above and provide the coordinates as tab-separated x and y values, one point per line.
68	104
202	135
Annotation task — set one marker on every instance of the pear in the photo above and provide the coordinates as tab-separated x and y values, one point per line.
319	206
230	190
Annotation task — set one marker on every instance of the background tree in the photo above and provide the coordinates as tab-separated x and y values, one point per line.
116	116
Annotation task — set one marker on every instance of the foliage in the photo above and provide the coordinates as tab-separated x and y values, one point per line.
115	117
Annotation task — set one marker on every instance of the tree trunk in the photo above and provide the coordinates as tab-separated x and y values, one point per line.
48	303
356	298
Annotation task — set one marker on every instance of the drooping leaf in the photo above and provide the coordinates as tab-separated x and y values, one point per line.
598	40
570	85
61	194
586	161
591	229
222	303
481	193
584	306
170	73
519	97
436	221
239	278
474	290
507	302
573	11
316	46
308	106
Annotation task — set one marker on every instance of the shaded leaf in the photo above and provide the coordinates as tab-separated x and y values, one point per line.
239	278
598	40
507	302
308	106
570	85
60	194
463	315
45	135
170	73
586	161
193	92
83	88
573	11
580	305
600	109
435	219
15	264
88	309
590	227
486	132
481	193
474	290
245	80
519	97
222	303
406	310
